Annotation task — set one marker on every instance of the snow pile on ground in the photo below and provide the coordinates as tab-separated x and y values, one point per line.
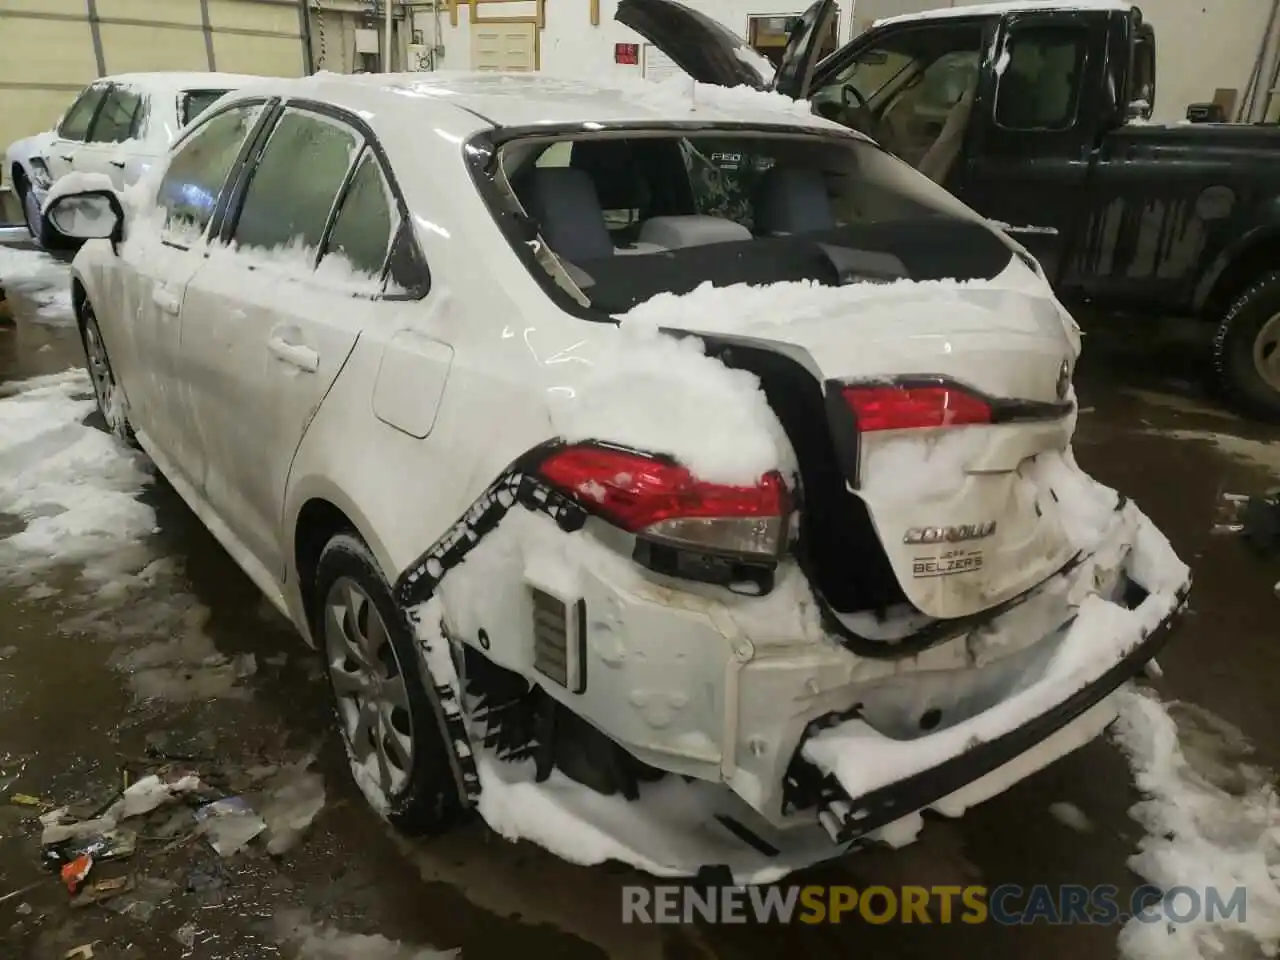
639	391
303	940
40	278
1212	821
74	487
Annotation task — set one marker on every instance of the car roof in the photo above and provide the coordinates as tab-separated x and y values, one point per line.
528	99
164	81
1002	7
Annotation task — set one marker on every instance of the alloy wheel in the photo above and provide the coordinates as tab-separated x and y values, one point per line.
1266	352
368	681
104	382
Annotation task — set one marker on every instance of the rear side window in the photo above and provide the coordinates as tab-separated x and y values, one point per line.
192	103
366	223
296	183
119	118
1039	87
75	125
199	168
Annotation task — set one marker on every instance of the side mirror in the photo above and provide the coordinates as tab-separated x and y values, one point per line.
86	215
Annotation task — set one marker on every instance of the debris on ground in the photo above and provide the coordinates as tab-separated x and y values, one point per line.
101	890
305	940
26	800
74	872
82	952
1069	815
294	799
229	824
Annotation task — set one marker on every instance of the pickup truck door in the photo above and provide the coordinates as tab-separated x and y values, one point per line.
106	150
1036	126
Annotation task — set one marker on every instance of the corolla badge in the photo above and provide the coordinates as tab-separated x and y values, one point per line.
1064	379
956	534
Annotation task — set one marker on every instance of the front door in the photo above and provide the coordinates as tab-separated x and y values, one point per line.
72	131
270	319
162	259
1027	167
117	122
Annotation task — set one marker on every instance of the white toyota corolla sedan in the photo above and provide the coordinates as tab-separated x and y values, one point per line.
670	476
118	127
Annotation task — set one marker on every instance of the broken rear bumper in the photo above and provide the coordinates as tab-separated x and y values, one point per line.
944	786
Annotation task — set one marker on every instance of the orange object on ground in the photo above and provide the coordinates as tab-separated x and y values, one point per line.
73	873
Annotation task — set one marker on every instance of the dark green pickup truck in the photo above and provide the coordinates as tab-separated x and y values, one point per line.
1037	115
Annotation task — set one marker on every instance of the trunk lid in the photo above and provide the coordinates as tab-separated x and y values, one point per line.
961	512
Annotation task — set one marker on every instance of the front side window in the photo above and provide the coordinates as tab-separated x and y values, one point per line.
1039	86
730	207
296	183
75	125
198	171
367	221
119	118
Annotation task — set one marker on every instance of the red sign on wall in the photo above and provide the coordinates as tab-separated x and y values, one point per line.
628	53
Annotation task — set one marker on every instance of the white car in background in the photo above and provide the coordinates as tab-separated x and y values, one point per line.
686	482
118	127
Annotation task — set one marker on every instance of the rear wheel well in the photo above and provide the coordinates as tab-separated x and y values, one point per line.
18	176
319	521
1261	258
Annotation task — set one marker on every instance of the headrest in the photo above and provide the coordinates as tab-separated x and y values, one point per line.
793	200
564	203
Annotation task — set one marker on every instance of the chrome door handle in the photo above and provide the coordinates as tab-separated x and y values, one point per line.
294	354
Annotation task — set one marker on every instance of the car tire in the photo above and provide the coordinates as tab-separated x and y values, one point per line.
107	393
391	721
30	209
1246	350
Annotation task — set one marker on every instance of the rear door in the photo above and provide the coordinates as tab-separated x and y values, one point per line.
271	317
108	148
1029	156
710	52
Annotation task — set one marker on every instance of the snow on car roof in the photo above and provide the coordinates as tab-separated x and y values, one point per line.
1005	6
526	99
163	81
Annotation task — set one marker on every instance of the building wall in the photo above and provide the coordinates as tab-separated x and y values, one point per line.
1201	46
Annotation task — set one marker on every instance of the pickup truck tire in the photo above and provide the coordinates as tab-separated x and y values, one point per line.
1246	350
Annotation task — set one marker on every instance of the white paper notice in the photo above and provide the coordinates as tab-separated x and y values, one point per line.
658	66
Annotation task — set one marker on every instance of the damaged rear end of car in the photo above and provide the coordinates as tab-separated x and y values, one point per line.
809	552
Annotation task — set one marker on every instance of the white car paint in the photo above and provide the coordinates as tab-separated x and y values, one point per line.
125	161
260	387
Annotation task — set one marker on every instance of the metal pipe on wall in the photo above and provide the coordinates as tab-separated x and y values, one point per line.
387	55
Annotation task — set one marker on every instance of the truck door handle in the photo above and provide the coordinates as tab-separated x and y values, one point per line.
294	354
117	163
70	159
165	300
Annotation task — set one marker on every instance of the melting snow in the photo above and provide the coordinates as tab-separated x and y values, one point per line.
40	278
309	941
1212	820
74	486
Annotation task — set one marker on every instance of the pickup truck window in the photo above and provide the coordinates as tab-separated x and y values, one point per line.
903	91
1039	87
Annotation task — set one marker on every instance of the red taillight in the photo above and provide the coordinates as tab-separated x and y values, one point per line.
635	492
906	408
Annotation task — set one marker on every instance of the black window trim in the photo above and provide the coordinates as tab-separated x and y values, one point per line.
404	233
104	85
825	71
210	228
1036	20
180	102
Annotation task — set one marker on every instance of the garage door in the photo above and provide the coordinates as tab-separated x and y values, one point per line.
503	45
49	49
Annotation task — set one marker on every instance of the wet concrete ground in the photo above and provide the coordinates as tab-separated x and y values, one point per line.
79	705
